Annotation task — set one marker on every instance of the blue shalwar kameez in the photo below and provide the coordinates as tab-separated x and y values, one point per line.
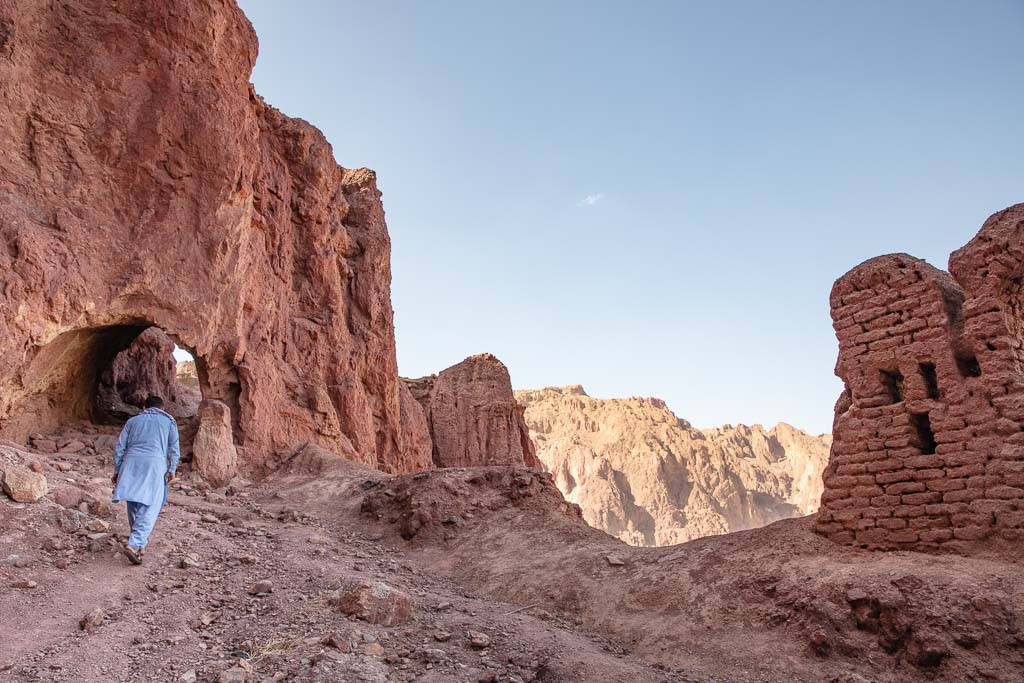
146	451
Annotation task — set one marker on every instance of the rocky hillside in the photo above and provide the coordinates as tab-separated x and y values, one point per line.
649	478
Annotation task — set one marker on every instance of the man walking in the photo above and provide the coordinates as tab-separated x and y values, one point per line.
145	460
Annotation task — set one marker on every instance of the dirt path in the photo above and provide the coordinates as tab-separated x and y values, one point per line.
163	620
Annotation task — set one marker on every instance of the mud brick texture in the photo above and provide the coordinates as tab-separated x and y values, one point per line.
928	448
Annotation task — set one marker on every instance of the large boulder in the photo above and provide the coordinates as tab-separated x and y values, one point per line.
473	417
214	456
18	481
144	183
375	602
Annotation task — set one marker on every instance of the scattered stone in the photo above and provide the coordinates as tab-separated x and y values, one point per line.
261	588
820	643
68	497
373	649
487	677
189	676
209	519
338	642
478	640
442	636
92	619
188	561
235	674
63	466
25	583
100	508
44	445
375	602
615	560
247	559
97	525
69	521
72	446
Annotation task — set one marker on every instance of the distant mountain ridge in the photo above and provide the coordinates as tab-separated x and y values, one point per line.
644	475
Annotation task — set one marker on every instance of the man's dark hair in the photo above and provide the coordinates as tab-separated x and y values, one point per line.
154	402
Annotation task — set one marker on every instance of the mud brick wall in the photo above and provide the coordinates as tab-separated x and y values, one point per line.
928	446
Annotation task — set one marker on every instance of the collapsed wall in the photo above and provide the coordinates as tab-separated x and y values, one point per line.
928	438
143	183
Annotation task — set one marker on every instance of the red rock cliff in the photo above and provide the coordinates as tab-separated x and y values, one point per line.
143	182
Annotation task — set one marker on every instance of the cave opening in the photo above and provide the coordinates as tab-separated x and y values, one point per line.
100	376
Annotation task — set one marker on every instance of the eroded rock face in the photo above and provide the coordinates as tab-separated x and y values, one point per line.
417	451
214	456
473	417
144	183
649	478
929	433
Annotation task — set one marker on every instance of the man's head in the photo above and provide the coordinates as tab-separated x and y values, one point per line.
154	402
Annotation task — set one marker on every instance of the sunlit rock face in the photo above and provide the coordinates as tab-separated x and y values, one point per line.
143	183
473	416
643	475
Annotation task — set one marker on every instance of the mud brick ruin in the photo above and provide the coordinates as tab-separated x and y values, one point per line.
929	432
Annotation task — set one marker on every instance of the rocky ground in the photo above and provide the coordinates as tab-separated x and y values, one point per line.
490	576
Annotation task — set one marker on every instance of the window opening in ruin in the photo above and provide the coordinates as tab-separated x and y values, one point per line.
968	366
892	382
931	380
925	436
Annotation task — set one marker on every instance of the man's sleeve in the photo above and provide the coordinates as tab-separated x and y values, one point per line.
122	444
173	450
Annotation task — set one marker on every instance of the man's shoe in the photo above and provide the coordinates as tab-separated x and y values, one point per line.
133	555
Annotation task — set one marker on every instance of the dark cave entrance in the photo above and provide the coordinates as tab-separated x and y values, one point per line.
101	375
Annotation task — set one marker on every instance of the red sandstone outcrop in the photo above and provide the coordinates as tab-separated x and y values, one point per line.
214	456
143	183
473	417
929	432
649	478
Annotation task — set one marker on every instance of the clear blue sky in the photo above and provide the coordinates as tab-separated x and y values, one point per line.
737	156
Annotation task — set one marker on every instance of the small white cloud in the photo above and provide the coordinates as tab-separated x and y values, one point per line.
590	200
